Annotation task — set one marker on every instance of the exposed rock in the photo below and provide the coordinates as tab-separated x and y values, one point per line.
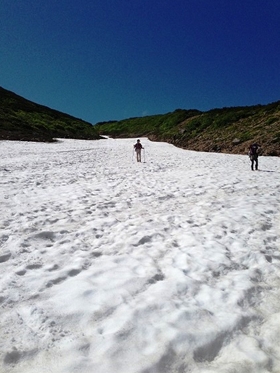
236	141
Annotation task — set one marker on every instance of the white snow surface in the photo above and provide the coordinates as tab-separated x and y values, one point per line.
112	266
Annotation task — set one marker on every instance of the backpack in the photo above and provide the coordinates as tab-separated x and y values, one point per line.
254	149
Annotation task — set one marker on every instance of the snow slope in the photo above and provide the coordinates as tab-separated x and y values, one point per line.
112	266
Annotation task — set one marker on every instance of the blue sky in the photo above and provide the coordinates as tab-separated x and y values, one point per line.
103	60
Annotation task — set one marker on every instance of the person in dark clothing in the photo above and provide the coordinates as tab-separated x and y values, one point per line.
138	147
254	154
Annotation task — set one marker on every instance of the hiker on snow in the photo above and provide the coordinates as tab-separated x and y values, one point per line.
138	147
253	154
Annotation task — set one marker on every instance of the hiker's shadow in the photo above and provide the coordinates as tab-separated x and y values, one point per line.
269	171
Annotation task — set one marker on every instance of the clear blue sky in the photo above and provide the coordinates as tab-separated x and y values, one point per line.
102	60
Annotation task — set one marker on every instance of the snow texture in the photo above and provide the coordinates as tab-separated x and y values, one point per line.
112	266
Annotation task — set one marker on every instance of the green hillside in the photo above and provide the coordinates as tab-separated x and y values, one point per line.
21	119
228	130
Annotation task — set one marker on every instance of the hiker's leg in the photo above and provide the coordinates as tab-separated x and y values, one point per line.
256	160
252	164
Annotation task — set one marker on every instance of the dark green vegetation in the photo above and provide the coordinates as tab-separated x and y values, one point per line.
21	119
228	130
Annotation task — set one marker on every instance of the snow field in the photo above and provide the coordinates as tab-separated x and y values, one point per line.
112	266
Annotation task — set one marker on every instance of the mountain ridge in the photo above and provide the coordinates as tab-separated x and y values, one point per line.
22	119
227	130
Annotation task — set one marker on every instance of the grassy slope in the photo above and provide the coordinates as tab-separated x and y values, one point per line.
160	125
21	119
228	130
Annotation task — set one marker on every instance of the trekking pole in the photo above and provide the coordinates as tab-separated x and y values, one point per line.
144	155
132	153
